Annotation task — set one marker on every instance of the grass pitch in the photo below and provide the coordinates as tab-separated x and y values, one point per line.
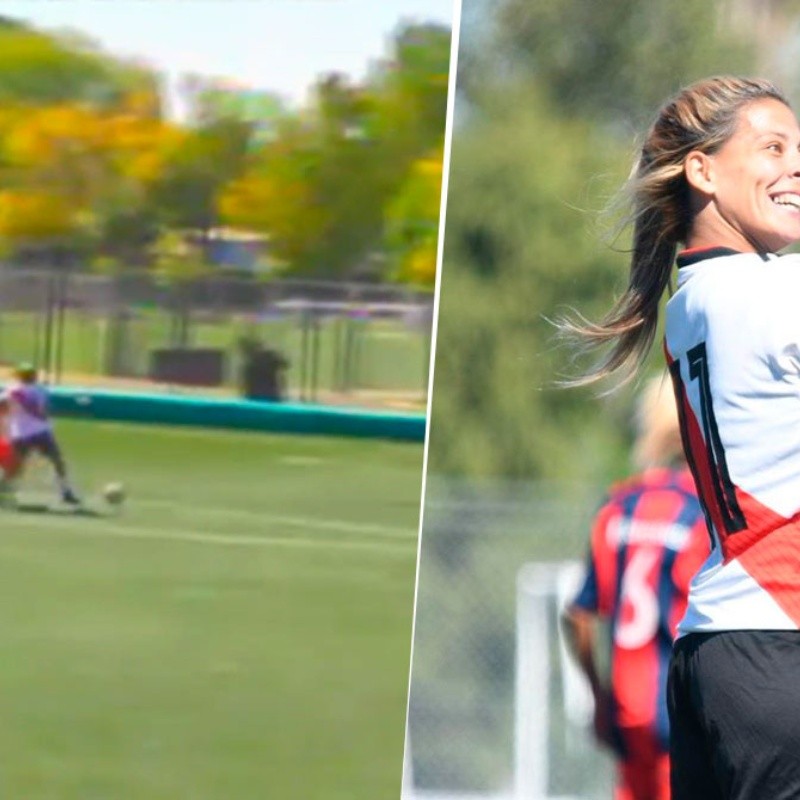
241	630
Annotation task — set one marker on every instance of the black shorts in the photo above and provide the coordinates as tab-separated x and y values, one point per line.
44	443
734	709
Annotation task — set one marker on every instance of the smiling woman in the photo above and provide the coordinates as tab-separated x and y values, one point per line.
719	173
748	189
694	132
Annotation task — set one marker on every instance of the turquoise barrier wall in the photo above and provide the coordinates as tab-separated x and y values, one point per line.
235	414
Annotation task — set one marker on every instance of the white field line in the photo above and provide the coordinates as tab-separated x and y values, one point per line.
87	528
337	525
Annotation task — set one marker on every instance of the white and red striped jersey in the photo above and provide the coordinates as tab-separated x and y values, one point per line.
27	410
733	346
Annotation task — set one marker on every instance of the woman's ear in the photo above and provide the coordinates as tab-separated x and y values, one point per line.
699	171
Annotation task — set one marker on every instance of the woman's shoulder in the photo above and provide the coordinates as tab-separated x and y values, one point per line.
787	261
746	272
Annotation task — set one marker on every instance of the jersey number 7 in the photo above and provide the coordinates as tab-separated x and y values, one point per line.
709	466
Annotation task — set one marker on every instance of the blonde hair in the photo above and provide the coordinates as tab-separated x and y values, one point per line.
658	435
701	117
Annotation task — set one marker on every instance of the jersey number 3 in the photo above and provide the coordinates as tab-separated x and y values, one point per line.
710	463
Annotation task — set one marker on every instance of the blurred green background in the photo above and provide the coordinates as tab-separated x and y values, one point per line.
551	98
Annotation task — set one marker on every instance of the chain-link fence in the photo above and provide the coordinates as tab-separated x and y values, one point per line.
497	709
334	338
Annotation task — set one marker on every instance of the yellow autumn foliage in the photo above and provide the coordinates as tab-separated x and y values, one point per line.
53	132
35	215
412	221
419	266
60	162
281	207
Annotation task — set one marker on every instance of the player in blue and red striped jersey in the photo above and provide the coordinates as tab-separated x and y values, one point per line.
647	541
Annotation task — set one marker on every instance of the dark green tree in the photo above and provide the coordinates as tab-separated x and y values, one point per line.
521	242
617	61
330	172
37	68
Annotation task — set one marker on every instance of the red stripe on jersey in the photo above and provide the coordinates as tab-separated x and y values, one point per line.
774	562
767	547
656	505
695	444
759	519
605	567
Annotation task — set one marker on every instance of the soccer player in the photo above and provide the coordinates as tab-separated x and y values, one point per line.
719	176
647	541
29	429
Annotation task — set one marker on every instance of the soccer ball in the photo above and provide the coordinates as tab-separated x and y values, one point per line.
114	493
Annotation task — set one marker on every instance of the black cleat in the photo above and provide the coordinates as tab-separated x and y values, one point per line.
70	498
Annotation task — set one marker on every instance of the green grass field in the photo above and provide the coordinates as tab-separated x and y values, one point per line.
240	631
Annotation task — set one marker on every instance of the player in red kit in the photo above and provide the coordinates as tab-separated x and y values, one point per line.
647	541
8	459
